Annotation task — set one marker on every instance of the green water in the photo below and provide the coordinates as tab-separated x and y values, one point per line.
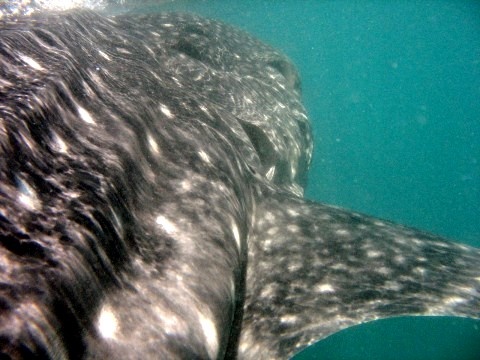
408	338
393	91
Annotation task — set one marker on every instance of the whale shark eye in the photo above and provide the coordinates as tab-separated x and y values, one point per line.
288	72
189	49
188	44
194	29
260	142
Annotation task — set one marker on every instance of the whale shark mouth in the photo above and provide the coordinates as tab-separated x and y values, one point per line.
151	177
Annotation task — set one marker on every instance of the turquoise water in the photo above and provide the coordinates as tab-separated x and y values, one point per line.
393	91
406	338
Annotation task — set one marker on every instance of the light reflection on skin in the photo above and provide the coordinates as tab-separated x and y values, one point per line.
28	7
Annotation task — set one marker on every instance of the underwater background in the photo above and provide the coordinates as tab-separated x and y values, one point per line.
393	92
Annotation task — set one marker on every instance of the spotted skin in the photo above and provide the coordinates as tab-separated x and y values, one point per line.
151	177
315	269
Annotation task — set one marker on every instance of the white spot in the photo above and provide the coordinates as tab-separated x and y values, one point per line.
85	115
464	247
439	244
294	266
27	140
59	144
268	291
150	50
32	63
28	196
270	173
107	323
232	291
211	336
420	270
374	253
123	51
342	232
104	55
293	228
340	266
3	82
468	290
455	300
325	217
393	285
324	288
118	224
292	212
152	144
168	226
186	185
288	319
269	216
236	234
417	241
204	156
177	82
272	231
205	110
248	100
383	270
166	111
199	77
171	322
267	244
293	170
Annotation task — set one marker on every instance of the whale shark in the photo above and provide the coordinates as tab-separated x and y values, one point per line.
152	172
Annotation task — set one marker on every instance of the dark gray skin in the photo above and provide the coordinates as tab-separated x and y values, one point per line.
151	179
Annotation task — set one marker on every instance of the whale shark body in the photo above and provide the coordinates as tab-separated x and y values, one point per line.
151	177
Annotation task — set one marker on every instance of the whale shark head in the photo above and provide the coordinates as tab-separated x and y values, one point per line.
151	177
